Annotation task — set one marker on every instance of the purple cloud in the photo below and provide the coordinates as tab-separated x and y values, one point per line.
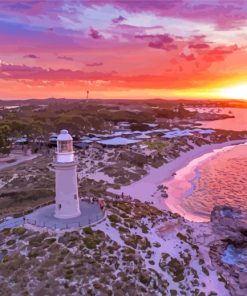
118	20
226	14
159	41
65	58
95	34
31	56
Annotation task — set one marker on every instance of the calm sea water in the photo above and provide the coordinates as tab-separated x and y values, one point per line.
239	123
221	180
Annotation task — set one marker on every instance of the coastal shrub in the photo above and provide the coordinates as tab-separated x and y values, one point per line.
18	231
205	270
123	229
88	230
144	228
6	232
33	254
135	240
186	257
97	286
176	269
157	245
222	279
91	242
48	242
182	237
194	272
114	218
10	242
124	216
212	293
124	206
129	258
30	194
69	274
195	283
37	240
173	292
194	247
144	278
144	243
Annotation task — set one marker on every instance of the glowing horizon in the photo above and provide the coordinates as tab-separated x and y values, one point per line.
123	49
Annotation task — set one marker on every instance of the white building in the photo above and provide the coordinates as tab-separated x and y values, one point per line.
67	199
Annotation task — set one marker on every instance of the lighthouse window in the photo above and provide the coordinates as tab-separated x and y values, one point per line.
59	206
75	196
65	146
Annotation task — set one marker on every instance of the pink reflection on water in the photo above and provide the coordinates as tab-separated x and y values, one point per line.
215	179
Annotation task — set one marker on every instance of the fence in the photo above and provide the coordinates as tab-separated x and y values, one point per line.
21	220
61	225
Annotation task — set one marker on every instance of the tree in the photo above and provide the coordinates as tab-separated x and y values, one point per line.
5	144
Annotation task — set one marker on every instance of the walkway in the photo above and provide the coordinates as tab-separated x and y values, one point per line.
44	217
17	160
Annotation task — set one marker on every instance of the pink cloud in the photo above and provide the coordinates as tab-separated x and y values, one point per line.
31	56
94	64
66	58
159	41
199	45
224	14
219	53
188	57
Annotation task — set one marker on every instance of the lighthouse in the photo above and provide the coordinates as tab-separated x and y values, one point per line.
67	200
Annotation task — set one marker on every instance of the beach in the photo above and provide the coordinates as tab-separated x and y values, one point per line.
146	188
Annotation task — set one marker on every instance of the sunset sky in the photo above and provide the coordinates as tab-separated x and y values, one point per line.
123	49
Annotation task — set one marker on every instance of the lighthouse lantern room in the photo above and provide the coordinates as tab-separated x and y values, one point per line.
67	200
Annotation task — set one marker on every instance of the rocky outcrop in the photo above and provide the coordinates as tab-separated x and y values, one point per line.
229	251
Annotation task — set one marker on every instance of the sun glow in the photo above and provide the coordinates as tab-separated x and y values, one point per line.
234	92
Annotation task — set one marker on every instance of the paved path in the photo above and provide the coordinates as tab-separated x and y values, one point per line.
18	159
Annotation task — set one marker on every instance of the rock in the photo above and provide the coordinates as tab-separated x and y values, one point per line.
229	228
229	222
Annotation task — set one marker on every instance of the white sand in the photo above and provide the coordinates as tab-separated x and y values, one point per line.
146	188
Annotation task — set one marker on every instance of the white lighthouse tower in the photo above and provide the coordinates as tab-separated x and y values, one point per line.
67	200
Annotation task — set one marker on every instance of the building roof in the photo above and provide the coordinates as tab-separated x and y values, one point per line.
176	132
118	141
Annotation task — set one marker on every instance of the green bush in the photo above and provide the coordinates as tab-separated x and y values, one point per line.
88	230
114	219
10	242
18	231
205	270
144	278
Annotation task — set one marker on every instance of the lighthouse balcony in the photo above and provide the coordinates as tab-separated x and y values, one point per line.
63	158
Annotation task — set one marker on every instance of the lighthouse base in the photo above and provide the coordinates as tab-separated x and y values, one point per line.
44	217
74	215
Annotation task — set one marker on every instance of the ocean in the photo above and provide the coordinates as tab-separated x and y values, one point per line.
217	178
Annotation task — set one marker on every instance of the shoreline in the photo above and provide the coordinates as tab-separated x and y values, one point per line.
146	188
